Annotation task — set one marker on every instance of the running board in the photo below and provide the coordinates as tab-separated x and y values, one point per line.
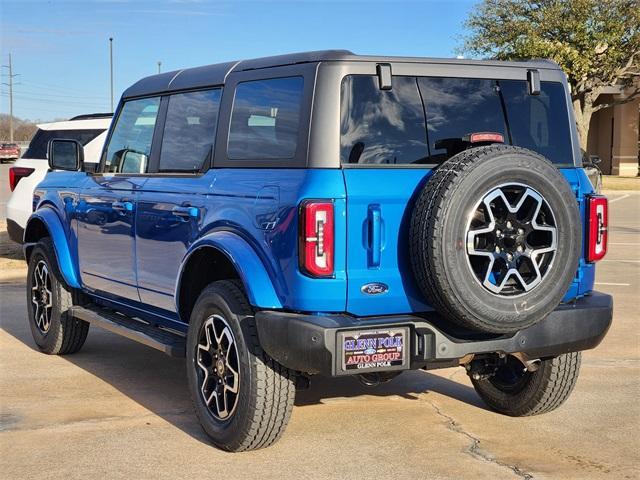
134	329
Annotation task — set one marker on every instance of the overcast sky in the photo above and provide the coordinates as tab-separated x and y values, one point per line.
60	48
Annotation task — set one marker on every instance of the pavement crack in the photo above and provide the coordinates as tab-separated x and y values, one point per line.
474	447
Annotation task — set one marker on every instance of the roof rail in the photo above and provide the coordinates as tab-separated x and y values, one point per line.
88	116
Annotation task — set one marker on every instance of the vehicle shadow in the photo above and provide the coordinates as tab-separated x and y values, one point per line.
8	248
158	382
409	386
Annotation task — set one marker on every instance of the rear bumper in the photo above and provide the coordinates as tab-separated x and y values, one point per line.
15	231
308	343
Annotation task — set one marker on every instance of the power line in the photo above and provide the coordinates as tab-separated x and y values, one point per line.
55	101
63	95
47	98
59	89
10	85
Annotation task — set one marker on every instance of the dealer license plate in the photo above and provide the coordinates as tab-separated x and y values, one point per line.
374	350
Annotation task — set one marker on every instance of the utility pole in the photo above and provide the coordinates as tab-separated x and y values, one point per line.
10	85
159	65
111	68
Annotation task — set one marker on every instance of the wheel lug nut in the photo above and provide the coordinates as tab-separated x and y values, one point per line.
509	225
520	249
509	257
498	233
520	231
497	249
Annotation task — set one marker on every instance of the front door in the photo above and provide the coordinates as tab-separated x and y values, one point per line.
108	202
106	223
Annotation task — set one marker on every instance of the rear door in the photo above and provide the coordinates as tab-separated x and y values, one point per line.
383	148
391	139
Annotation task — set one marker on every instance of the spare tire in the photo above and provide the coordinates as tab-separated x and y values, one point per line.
495	238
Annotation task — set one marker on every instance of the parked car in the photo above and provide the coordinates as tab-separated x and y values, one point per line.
9	151
327	213
90	130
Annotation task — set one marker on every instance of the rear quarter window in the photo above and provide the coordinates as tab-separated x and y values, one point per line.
265	119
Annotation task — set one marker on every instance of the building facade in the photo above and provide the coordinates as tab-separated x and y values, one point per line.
614	135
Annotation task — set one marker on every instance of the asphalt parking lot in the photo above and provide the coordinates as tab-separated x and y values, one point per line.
119	409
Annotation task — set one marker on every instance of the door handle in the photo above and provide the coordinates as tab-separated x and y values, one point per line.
124	206
375	235
186	212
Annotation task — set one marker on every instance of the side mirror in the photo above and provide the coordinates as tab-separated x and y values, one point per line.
133	162
65	154
595	159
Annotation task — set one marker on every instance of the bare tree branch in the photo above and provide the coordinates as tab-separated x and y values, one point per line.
627	67
628	98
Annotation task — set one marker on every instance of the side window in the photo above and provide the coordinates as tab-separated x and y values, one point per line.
382	126
265	119
130	144
189	131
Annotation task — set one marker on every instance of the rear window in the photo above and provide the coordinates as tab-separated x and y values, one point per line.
388	126
382	126
38	146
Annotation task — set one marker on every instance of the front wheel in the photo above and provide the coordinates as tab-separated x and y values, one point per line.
516	392
242	397
49	299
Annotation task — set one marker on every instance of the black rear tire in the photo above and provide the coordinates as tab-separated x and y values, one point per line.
255	416
453	280
53	328
517	393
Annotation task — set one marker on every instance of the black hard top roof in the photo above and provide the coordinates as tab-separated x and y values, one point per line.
216	74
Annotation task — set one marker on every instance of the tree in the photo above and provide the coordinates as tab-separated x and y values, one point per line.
23	130
596	42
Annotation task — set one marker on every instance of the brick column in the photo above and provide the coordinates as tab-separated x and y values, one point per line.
625	139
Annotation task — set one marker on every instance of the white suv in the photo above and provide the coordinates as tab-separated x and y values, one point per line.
28	171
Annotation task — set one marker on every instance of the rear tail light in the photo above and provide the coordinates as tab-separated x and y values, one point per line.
16	174
598	221
316	238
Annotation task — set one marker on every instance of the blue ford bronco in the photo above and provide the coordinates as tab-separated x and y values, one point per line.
327	213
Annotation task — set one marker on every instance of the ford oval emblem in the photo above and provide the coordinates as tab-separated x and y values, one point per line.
374	288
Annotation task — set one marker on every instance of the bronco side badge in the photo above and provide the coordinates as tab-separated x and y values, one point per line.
375	288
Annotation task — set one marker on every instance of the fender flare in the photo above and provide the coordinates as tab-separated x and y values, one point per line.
52	223
253	274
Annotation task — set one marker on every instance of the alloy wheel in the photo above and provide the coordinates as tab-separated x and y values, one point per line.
218	367
511	239
41	296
